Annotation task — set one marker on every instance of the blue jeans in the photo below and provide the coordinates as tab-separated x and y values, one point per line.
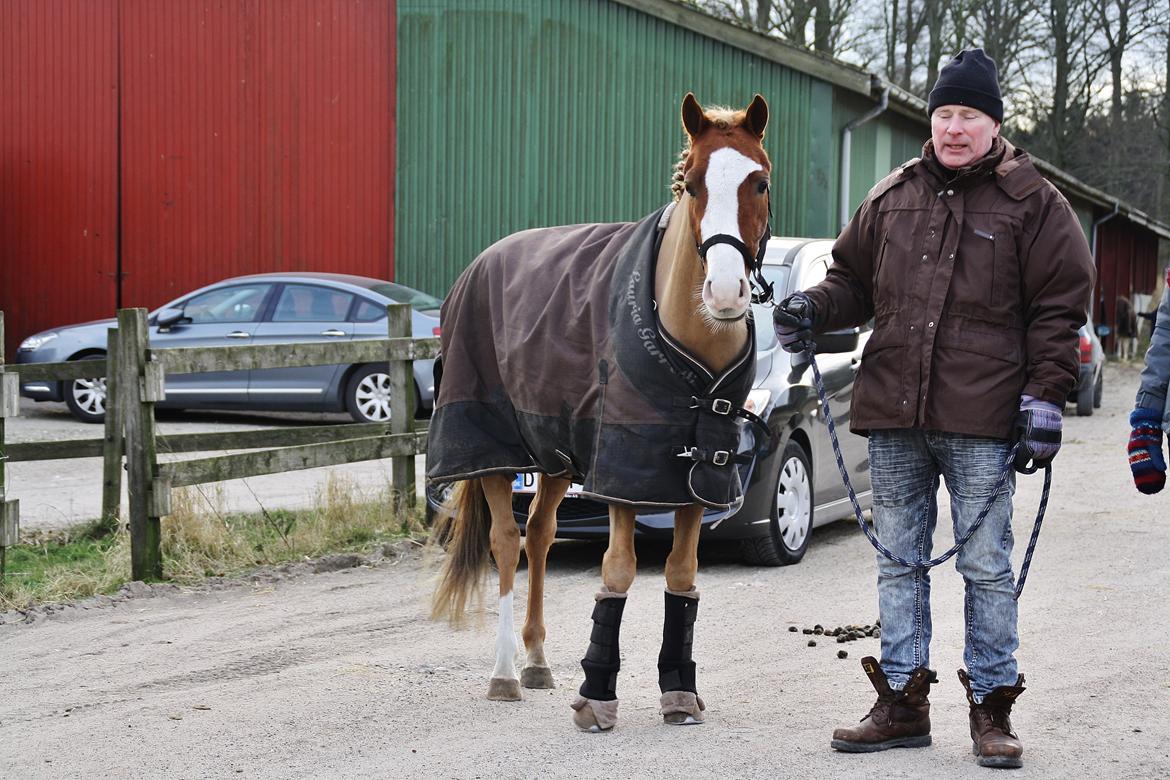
905	466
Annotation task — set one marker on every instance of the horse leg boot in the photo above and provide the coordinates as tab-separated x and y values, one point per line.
680	703
505	543
595	708
538	537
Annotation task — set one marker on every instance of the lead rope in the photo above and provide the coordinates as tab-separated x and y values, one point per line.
999	485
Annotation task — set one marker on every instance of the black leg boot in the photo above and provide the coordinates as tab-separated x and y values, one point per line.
595	709
680	703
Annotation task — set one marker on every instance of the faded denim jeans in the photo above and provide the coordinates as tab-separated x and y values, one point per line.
905	466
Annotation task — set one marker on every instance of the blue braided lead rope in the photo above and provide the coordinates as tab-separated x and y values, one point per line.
995	494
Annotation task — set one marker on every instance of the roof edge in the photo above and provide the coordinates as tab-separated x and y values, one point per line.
801	60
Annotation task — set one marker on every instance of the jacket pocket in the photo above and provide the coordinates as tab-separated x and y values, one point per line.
877	266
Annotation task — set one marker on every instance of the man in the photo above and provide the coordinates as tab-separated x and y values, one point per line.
977	275
1126	329
1148	419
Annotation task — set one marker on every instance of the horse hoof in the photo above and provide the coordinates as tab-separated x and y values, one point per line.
682	708
536	677
594	716
504	689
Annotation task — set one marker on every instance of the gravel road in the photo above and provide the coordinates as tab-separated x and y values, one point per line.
338	674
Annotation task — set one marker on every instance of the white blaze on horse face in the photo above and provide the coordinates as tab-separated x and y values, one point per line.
506	644
726	291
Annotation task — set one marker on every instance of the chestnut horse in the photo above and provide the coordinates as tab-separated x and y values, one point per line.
712	240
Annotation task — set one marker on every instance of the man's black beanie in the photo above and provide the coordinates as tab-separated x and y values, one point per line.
968	80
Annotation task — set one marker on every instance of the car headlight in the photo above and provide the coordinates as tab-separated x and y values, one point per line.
758	401
33	343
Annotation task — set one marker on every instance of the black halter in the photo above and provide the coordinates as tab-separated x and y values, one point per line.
754	264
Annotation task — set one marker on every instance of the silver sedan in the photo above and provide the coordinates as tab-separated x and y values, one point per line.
258	309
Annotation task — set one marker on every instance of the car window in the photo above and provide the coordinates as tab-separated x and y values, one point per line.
310	303
369	311
402	294
240	303
814	273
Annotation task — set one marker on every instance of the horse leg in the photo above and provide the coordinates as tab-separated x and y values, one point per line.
595	709
505	544
680	703
538	537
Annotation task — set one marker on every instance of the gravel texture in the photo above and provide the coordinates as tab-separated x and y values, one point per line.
295	674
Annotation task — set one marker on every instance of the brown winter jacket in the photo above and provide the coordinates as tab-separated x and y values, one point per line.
977	281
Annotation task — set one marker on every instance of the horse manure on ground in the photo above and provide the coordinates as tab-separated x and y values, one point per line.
842	653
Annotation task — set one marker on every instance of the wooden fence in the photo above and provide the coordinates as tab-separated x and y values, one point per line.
135	382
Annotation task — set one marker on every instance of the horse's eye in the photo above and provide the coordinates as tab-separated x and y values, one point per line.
691	190
762	187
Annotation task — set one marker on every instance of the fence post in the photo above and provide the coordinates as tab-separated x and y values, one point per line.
112	451
9	407
135	396
402	405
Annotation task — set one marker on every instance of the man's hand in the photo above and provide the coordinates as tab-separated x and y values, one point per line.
1145	450
793	319
1038	431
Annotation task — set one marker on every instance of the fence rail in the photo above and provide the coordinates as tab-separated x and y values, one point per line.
135	382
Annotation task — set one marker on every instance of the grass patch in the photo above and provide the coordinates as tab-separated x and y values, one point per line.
201	539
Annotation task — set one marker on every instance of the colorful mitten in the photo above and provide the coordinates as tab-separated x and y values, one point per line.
1145	450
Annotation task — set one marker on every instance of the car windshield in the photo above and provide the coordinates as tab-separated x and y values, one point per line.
400	294
777	275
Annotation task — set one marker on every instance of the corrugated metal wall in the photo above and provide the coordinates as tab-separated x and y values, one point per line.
254	135
257	137
58	163
522	113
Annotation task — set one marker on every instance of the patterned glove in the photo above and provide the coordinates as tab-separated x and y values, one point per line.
1145	450
793	319
1038	432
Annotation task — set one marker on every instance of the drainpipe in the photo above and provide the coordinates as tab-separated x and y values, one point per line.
846	152
1101	221
1096	259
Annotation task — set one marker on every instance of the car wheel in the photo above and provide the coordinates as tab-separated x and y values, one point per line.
1099	390
790	528
86	398
367	396
1085	402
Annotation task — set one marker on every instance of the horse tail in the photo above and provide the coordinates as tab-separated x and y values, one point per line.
464	531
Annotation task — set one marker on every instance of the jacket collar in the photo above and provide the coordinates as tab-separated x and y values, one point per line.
1012	168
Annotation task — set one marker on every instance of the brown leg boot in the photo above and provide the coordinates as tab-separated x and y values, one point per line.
897	719
995	744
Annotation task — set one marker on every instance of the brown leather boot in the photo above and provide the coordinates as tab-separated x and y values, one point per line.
995	744
897	719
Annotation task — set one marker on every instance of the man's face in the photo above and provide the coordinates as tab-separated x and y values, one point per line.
961	135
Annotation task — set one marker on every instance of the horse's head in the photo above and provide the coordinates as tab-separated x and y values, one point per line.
726	173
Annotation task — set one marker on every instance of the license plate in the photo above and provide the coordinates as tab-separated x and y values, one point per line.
526	483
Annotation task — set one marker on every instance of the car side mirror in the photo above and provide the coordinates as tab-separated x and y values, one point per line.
168	317
837	341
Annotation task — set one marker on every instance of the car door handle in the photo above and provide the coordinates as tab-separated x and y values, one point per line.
239	334
334	332
855	362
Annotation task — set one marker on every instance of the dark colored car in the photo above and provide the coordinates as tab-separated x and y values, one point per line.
259	309
790	488
1090	387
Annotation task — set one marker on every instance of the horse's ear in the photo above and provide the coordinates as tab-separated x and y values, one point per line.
692	115
757	116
